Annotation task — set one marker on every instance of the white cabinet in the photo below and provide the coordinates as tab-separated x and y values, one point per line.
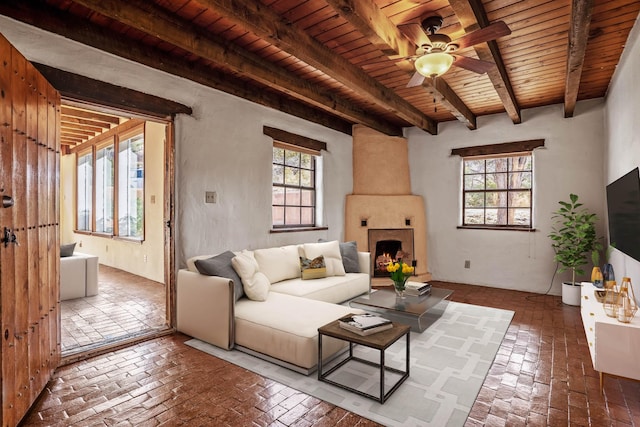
614	346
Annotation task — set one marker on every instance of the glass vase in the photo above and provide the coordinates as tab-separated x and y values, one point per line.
626	301
399	287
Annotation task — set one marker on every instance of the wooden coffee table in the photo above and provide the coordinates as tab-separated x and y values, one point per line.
379	341
418	312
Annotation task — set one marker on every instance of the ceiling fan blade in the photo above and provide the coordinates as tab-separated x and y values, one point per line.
476	65
490	32
415	33
416	80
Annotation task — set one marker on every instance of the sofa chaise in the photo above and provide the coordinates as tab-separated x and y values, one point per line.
281	325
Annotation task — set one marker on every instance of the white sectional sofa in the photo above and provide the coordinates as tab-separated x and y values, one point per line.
284	327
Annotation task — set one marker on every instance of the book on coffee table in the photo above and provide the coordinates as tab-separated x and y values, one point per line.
364	324
417	289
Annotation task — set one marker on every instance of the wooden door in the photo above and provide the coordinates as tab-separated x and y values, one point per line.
29	232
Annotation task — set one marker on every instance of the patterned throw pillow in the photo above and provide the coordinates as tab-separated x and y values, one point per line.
313	268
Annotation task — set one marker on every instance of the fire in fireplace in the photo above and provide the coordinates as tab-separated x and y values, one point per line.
389	245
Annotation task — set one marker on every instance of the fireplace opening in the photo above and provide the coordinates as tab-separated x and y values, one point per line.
387	245
386	252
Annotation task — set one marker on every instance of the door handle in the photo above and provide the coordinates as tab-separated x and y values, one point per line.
7	201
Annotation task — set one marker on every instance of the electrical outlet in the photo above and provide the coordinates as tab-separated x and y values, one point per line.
467	264
144	257
210	197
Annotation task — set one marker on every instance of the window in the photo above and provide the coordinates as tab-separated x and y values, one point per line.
294	188
131	187
104	189
104	178
85	191
497	191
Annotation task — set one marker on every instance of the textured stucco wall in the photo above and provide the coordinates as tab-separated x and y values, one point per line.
570	162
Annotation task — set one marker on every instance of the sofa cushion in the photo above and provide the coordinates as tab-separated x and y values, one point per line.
331	253
255	284
286	327
279	263
312	268
67	250
220	265
349	253
333	289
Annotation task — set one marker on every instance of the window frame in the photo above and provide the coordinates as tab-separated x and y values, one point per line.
507	191
123	132
314	188
506	149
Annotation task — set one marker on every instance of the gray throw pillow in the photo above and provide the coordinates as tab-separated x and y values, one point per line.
67	250
220	265
349	254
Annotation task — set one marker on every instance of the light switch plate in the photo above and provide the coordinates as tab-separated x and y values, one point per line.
210	197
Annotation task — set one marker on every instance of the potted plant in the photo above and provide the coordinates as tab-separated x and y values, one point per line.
573	237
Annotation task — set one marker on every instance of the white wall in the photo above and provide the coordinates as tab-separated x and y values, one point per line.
570	162
622	133
219	148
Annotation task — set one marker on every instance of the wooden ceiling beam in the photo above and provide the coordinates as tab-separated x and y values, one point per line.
368	19
158	22
267	24
439	88
34	12
581	11
472	16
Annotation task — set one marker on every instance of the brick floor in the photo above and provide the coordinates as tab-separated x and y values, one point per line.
542	376
126	304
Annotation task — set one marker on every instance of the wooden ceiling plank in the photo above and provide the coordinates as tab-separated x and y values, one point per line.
89	115
266	23
182	34
472	16
87	125
581	11
365	16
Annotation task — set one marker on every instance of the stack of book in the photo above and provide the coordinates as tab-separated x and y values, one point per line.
417	289
364	324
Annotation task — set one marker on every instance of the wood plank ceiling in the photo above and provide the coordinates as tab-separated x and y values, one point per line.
334	61
79	125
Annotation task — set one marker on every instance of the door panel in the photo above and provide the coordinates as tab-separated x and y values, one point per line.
29	281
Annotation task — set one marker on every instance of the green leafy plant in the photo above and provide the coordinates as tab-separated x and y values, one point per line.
573	236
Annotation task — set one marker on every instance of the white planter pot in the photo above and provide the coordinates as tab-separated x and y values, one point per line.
571	293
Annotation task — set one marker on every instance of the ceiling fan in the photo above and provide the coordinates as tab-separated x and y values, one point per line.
435	53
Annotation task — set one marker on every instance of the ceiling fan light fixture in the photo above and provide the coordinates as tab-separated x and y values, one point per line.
434	64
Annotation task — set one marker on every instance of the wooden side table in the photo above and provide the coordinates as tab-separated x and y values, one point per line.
379	341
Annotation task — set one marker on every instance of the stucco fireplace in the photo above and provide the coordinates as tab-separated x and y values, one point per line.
382	215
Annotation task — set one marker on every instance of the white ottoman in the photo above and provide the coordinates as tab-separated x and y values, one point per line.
78	276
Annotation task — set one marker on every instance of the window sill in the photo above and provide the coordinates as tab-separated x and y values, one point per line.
488	227
296	229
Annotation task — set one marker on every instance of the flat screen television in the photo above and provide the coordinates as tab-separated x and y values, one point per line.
623	208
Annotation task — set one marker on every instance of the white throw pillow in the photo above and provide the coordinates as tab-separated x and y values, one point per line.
278	264
255	284
331	253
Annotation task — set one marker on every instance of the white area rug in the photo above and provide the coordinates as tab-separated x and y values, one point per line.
449	362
